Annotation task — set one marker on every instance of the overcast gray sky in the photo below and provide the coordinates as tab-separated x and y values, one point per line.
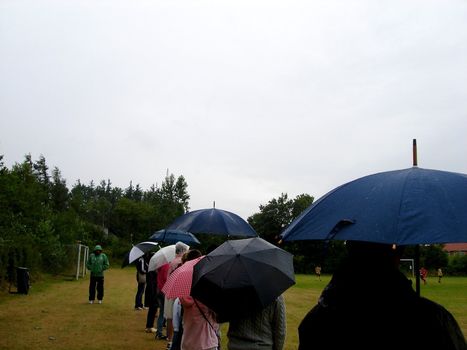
245	98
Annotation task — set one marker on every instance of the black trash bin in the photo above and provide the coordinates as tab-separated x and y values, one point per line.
22	280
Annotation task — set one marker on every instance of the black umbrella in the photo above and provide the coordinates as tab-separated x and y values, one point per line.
242	276
137	251
213	221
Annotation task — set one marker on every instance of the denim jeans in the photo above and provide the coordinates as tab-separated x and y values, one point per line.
139	295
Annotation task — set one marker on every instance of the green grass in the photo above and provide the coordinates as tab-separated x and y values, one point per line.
452	294
56	315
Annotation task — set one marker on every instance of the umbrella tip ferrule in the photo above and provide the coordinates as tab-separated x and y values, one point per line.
414	153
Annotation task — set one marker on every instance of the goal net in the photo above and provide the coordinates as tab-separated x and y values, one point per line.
407	267
77	256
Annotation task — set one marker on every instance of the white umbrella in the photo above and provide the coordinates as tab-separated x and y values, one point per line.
161	257
138	251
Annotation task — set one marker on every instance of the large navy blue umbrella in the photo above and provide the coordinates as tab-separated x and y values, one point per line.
174	236
213	221
404	207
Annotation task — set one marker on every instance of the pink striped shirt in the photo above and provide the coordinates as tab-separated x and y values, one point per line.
197	333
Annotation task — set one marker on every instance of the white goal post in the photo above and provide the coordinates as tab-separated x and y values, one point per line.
83	254
411	265
76	263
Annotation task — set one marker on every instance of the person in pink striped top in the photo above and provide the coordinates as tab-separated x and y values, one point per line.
200	328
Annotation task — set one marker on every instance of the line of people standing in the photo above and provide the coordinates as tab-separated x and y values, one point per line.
191	325
155	281
345	305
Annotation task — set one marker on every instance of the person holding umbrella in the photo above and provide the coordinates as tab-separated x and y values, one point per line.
162	273
200	328
367	312
151	301
141	271
97	263
263	329
177	307
180	249
242	281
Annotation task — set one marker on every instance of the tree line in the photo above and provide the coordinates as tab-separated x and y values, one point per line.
40	215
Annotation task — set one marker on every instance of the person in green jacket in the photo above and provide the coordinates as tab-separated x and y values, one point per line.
97	263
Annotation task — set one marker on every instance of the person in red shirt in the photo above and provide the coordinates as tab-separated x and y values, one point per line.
423	274
162	273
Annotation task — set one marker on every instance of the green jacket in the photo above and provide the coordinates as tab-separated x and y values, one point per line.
97	264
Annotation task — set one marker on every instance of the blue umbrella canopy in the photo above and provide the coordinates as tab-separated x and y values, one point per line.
404	207
213	221
174	236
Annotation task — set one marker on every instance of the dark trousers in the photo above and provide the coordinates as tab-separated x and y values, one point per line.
151	316
96	283
177	340
139	295
160	319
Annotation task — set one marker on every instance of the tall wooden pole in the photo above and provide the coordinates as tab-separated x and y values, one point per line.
417	246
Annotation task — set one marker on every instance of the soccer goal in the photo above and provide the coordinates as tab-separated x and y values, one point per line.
407	266
78	255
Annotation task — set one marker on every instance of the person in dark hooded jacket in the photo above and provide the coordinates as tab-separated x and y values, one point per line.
151	300
365	311
141	271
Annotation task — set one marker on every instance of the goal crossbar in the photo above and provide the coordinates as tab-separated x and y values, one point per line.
412	265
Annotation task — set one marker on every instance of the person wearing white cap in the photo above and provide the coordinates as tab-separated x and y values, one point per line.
180	249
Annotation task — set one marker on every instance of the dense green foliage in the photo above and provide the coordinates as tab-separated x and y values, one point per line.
275	216
39	215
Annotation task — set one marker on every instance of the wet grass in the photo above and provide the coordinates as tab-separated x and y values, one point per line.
56	315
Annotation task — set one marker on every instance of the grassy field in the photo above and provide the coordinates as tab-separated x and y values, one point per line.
56	315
